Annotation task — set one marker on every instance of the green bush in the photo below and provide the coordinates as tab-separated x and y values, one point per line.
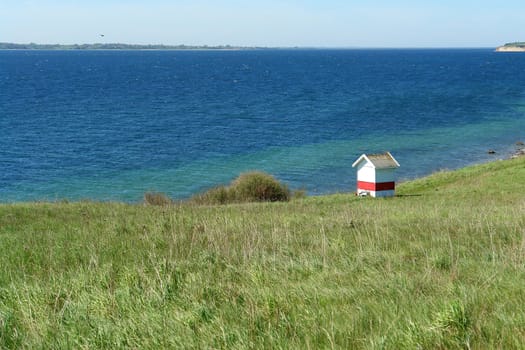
253	186
257	186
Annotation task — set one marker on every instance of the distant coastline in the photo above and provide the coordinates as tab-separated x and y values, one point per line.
512	47
162	47
119	46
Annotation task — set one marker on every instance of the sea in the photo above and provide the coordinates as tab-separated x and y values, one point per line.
112	125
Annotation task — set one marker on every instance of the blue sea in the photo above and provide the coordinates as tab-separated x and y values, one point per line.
111	125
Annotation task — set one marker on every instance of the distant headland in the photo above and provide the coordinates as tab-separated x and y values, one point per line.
512	47
118	46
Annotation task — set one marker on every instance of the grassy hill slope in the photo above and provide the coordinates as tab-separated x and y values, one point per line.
440	266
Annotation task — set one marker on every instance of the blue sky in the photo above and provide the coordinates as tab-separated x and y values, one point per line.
328	23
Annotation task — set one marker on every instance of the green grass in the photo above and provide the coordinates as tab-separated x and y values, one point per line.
440	266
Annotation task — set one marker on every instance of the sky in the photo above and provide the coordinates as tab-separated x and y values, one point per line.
270	23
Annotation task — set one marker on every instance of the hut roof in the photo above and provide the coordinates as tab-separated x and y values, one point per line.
378	161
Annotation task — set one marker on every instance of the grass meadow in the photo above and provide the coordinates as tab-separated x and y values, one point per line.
440	266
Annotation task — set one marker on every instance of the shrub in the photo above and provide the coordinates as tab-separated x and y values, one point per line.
253	186
156	198
259	187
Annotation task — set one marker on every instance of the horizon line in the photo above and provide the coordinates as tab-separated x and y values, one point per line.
313	47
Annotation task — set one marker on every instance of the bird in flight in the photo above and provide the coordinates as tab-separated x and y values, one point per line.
102	35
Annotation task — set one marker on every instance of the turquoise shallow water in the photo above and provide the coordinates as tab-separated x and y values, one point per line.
112	125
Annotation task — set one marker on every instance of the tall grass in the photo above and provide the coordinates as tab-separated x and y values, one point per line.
156	198
441	266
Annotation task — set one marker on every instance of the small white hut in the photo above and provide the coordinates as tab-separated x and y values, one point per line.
376	175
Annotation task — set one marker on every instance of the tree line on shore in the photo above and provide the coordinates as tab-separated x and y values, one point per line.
116	46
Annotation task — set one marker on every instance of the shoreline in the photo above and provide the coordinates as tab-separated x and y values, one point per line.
518	152
510	49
